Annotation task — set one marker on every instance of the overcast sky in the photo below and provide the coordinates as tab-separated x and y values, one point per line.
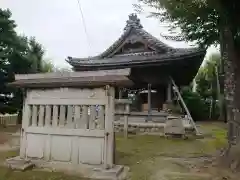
58	25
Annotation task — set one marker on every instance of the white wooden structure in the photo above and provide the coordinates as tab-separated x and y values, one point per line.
69	119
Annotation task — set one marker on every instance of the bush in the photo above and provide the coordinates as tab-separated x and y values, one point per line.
198	108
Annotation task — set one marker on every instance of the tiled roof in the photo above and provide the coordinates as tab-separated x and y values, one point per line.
132	58
161	50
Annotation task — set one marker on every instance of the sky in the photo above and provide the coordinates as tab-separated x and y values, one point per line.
59	26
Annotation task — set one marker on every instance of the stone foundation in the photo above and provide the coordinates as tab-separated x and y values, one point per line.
147	128
118	172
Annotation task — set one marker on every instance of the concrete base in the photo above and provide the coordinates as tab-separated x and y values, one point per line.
118	172
19	164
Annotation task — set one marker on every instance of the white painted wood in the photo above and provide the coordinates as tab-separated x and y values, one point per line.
61	148
91	150
35	145
25	123
62	115
92	117
77	116
84	118
47	149
76	101
109	129
55	116
66	132
73	138
101	119
67	93
34	115
70	122
74	154
48	116
41	115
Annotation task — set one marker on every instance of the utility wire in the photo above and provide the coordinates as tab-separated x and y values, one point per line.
84	25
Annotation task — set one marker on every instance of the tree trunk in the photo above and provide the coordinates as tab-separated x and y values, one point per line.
232	96
221	97
229	69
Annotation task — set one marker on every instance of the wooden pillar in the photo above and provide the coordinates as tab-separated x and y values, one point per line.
109	127
120	93
169	92
126	114
25	123
149	118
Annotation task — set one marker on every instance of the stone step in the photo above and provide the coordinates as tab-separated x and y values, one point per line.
19	164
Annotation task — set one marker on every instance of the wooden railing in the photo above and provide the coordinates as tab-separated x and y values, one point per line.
8	119
67	116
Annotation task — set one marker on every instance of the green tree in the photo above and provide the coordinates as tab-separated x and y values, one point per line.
206	22
210	22
207	81
18	55
197	106
9	46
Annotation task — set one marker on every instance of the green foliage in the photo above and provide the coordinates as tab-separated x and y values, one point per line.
199	20
18	55
208	85
207	79
204	103
8	49
198	108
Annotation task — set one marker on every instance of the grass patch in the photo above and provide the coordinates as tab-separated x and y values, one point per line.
7	174
218	132
10	129
8	154
143	154
140	152
174	177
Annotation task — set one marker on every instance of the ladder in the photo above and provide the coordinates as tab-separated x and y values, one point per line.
179	97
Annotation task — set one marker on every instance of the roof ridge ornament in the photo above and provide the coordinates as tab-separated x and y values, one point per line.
133	21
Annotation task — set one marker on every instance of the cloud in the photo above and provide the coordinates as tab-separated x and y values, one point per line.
58	25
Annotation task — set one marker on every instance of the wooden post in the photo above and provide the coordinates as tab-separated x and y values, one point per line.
25	123
109	136
119	93
169	92
126	114
149	118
